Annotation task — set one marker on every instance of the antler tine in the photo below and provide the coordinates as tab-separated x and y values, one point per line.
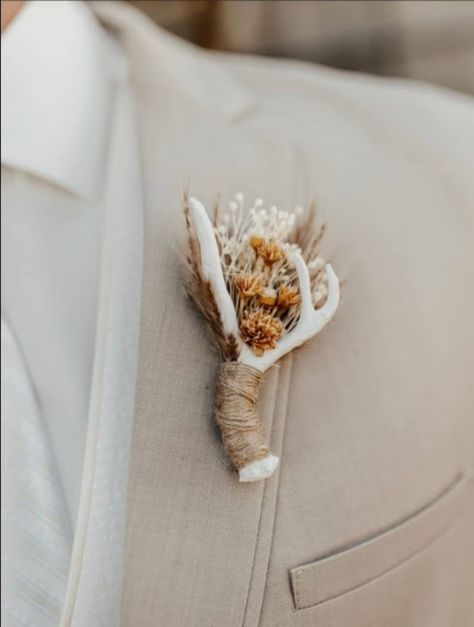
211	266
312	321
307	308
327	311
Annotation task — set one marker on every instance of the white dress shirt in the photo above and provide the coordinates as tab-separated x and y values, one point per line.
57	99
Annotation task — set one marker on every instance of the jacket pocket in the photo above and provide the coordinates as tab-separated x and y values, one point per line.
345	570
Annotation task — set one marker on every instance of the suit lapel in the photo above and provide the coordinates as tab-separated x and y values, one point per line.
193	530
197	541
97	556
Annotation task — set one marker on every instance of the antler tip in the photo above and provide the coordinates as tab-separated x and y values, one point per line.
260	469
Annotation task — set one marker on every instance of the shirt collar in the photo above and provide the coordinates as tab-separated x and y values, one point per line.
57	94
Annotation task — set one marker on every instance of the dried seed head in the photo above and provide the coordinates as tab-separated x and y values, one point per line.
288	297
260	330
248	285
269	252
268	297
256	241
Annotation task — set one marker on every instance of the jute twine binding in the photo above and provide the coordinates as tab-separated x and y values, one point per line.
236	414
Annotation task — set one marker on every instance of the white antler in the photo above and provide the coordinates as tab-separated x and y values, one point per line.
211	267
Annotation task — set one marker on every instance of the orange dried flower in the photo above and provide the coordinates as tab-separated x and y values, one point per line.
256	241
248	285
260	330
269	252
288	297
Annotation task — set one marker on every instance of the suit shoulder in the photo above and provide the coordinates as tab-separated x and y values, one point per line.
294	81
314	104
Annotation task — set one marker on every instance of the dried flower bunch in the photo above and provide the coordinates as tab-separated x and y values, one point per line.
261	284
256	252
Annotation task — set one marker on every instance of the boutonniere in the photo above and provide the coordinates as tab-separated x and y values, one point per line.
260	283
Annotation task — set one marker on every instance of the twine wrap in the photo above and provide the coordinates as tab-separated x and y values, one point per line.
242	432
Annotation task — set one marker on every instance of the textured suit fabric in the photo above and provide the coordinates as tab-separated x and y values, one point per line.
373	420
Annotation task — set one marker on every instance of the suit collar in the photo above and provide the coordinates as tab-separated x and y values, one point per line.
176	64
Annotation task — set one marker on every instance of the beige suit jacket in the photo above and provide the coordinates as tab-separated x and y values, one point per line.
368	521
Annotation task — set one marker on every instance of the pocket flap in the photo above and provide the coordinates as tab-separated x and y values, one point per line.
348	569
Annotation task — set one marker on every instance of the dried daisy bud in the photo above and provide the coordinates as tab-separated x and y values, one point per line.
248	285
268	297
260	331
288	297
270	253
256	241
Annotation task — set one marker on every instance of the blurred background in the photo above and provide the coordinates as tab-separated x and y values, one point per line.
422	39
